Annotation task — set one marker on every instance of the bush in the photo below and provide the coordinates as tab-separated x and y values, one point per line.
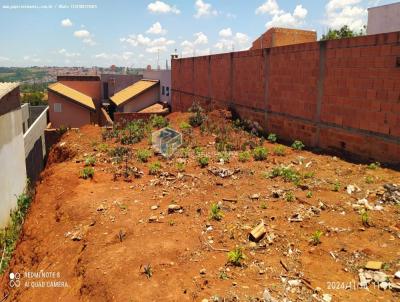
203	161
260	153
224	156
198	151
154	168
298	145
87	172
316	237
180	166
244	156
279	150
288	174
90	161
236	256
215	212
272	137
133	133
143	155
158	121
185	127
198	117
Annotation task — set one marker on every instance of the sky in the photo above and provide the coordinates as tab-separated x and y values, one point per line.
135	33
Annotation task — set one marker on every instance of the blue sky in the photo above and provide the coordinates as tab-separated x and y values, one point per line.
135	32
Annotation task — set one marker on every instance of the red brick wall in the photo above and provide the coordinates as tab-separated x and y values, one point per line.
340	95
283	36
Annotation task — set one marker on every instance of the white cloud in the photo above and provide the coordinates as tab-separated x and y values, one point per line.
204	9
200	38
345	12
156	29
32	58
4	59
66	23
85	36
156	49
225	32
162	8
83	33
280	17
67	54
239	41
152	46
123	57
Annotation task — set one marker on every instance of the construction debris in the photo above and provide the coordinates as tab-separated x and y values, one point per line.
258	232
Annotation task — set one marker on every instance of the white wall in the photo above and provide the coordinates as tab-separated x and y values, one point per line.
384	19
25	115
12	162
164	76
34	132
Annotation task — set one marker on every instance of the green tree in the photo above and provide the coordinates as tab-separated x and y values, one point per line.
34	98
343	32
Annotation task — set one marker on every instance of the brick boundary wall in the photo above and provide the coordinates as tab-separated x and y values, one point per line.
339	95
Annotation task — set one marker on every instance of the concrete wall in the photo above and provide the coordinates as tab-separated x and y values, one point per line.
143	100
25	117
71	115
164	76
384	19
36	132
12	162
340	95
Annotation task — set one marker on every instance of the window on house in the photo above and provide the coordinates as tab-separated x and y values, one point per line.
57	107
163	90
167	91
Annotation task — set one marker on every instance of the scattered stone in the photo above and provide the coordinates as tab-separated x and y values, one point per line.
379	277
258	232
267	296
174	208
296	218
374	265
277	193
101	208
203	271
76	236
384	285
295	282
223	172
326	297
395	287
204	300
254	196
154	207
391	194
397	275
153	219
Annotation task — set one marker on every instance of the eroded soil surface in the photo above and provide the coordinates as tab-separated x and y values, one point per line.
99	235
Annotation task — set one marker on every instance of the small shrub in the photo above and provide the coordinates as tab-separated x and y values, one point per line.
215	212
119	151
236	256
365	218
184	152
148	271
244	156
279	150
180	167
158	121
154	168
272	137
260	153
309	194
374	166
316	237
289	196
90	161
298	145
263	205
87	172
185	127
336	186
102	147
203	161
369	179
309	175
143	155
198	151
224	156
133	132
198	117
288	174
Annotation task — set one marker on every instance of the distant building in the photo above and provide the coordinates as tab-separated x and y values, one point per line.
277	36
74	101
164	77
113	83
137	97
383	19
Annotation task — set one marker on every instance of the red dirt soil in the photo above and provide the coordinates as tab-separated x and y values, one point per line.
114	239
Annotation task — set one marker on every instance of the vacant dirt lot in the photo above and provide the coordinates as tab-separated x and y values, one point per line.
99	236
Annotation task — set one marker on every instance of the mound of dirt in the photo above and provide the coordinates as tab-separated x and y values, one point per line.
60	153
